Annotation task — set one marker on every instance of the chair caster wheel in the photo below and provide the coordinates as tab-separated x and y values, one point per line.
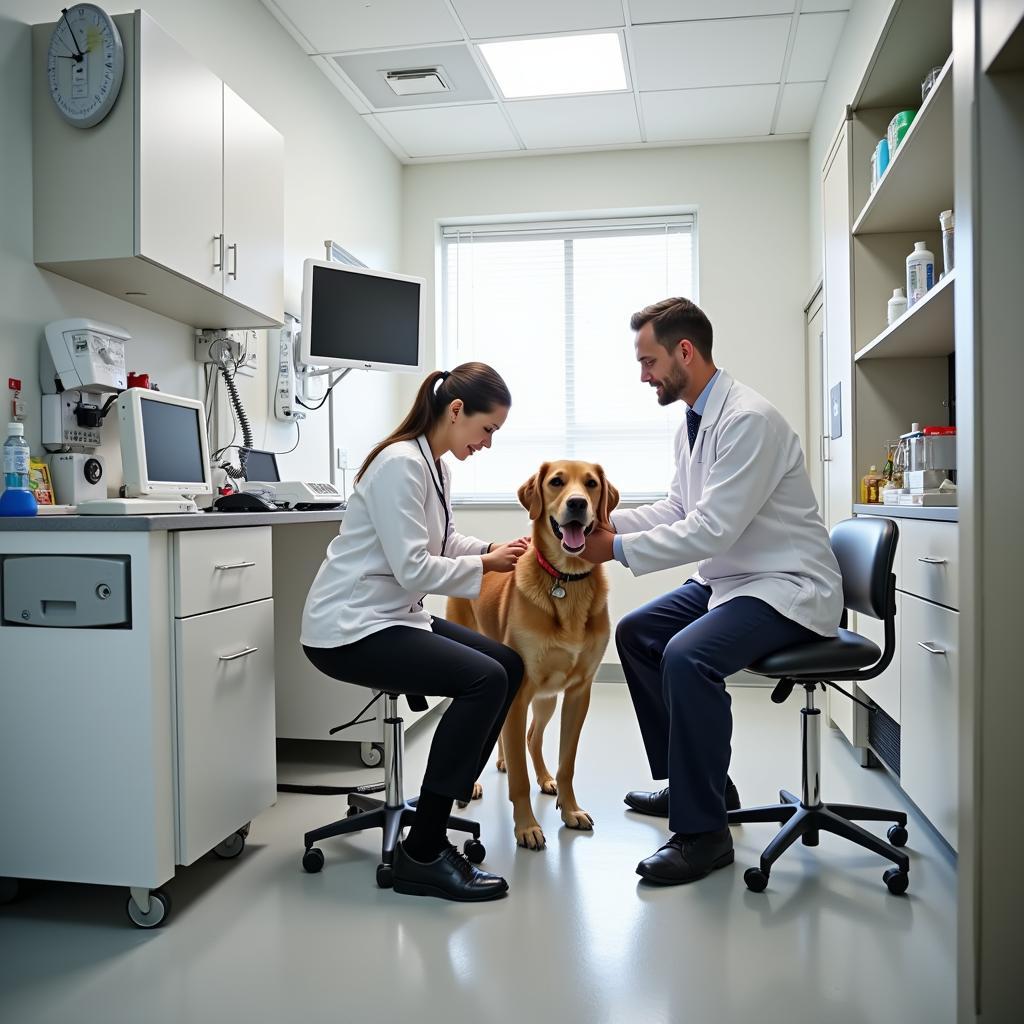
385	876
474	851
756	880
897	880
897	835
313	860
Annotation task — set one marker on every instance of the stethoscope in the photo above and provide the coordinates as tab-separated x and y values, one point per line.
438	483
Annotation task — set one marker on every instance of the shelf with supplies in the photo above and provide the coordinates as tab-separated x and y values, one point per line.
925	330
918	183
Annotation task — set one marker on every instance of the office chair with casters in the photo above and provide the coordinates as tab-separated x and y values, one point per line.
392	814
865	549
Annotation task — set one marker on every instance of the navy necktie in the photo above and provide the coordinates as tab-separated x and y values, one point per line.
692	426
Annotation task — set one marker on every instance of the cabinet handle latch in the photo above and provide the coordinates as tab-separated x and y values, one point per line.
240	654
234	565
218	240
930	648
933	561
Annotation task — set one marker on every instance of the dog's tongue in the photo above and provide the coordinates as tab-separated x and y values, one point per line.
572	536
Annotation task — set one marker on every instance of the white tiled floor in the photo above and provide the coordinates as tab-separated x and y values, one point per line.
578	938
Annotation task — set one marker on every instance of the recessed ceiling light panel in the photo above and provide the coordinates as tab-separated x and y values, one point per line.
556	65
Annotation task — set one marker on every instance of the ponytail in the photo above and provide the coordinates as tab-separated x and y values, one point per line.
479	387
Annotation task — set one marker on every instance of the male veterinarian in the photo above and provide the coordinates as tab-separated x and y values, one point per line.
740	505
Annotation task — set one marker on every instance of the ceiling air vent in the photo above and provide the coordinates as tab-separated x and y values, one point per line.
417	81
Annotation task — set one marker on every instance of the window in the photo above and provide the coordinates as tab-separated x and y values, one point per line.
548	306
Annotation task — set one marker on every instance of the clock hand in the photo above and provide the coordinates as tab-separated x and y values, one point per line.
64	12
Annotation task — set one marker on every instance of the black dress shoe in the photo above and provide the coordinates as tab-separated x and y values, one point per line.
448	877
656	802
685	858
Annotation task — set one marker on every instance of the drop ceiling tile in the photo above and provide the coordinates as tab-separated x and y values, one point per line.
485	19
726	113
334	27
812	6
576	121
798	107
817	36
696	54
645	11
367	72
449	131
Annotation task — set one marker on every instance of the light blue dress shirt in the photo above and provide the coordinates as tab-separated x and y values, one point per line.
698	407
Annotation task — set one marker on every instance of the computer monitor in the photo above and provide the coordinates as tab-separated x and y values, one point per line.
367	319
261	466
164	450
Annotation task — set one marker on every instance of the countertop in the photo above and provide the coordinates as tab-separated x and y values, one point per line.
942	514
186	521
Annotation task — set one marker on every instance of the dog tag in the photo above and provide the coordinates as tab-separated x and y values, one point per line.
558	591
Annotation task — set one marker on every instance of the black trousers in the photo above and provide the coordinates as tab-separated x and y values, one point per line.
481	676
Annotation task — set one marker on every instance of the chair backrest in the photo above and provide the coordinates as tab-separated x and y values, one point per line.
865	548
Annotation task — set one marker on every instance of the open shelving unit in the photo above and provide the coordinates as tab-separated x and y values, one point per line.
919	177
924	330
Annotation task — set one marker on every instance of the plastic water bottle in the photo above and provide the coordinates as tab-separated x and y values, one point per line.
17	498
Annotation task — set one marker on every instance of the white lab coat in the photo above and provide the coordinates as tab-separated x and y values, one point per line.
387	555
741	506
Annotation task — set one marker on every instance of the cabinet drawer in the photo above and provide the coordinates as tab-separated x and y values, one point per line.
227	762
931	561
884	689
929	706
220	568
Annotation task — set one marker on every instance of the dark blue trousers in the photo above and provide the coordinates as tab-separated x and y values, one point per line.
676	655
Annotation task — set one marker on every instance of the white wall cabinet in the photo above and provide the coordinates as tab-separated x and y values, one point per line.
175	201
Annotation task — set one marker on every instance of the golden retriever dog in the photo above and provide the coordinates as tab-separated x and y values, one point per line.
553	611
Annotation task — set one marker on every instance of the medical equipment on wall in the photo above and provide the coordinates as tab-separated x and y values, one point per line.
81	363
284	384
264	480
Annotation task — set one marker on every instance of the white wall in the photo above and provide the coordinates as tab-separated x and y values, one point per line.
341	182
752	203
860	34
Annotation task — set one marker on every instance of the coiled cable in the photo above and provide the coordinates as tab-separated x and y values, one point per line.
237	473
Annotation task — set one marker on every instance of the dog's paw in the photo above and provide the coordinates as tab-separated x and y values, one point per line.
478	792
530	837
500	765
576	818
548	786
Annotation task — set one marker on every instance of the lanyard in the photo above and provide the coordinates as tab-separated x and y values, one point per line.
438	483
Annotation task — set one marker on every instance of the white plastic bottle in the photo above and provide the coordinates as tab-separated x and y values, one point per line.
897	306
920	273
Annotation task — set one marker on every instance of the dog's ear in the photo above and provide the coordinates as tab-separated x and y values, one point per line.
531	494
609	497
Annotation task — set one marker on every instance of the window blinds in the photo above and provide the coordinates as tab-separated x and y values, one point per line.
548	306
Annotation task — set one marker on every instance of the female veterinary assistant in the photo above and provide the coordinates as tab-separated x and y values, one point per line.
364	621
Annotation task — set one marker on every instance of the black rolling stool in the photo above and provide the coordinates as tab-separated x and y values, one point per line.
865	549
393	813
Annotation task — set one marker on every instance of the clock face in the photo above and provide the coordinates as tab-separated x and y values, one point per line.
84	64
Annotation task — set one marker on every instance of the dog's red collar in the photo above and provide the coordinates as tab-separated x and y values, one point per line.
562	577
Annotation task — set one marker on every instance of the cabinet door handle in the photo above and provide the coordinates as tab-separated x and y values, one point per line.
234	565
218	240
233	273
933	561
930	648
826	448
240	654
